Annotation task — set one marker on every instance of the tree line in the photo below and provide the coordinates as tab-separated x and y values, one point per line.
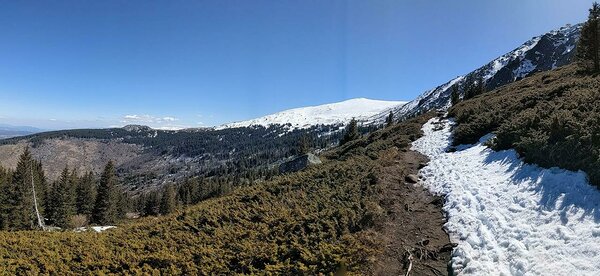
70	201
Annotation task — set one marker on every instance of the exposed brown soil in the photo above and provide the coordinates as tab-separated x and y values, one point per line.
413	227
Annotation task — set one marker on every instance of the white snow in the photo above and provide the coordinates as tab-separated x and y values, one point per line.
524	69
96	229
511	218
327	114
518	53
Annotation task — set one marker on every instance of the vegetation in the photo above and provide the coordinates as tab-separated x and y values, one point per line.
105	209
551	119
455	96
588	48
351	132
311	222
390	119
17	202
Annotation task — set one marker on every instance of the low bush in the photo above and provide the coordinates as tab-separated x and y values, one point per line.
551	119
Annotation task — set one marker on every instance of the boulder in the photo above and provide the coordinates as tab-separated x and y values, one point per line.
299	163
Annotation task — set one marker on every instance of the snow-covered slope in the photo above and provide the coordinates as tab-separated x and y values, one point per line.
327	114
541	53
508	217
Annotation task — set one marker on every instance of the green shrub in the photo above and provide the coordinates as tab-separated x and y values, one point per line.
551	119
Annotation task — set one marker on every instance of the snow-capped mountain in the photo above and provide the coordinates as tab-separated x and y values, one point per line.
327	114
541	53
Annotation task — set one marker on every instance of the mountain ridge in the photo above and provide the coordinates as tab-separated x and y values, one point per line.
325	114
541	53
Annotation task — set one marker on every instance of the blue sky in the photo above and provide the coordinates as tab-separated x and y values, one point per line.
68	64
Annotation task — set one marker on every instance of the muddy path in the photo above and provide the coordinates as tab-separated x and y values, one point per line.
413	231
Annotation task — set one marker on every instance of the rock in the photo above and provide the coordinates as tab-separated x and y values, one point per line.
422	165
411	178
448	247
299	163
451	149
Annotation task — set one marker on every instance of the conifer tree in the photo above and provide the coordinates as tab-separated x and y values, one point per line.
351	132
63	196
168	201
20	203
304	144
86	194
105	208
588	47
455	96
390	119
152	204
123	205
5	178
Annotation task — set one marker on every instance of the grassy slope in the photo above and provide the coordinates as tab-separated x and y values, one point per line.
551	119
316	221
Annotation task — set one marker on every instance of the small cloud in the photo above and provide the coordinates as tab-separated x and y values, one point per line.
156	122
170	119
147	119
52	120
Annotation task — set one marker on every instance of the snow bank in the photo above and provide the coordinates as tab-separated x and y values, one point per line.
510	218
96	229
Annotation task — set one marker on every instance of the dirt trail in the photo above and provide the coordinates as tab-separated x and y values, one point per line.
415	220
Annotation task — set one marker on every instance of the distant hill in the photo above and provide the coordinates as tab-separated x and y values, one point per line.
327	114
8	131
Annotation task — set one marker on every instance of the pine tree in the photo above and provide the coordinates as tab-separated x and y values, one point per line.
168	202
474	88
304	144
351	132
5	178
152	204
63	196
86	194
20	208
123	205
455	96
390	119
105	209
588	47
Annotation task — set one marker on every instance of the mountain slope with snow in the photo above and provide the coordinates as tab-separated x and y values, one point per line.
327	114
508	217
541	53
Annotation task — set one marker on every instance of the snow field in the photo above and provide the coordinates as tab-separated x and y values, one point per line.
511	218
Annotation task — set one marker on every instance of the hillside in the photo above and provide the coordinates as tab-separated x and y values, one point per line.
149	158
551	119
541	53
335	217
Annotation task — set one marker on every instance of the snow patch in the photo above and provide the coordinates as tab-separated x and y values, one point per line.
96	229
511	218
524	69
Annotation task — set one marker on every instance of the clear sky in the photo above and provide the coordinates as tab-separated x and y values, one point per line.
67	64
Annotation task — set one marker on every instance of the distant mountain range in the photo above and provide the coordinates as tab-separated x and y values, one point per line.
8	131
